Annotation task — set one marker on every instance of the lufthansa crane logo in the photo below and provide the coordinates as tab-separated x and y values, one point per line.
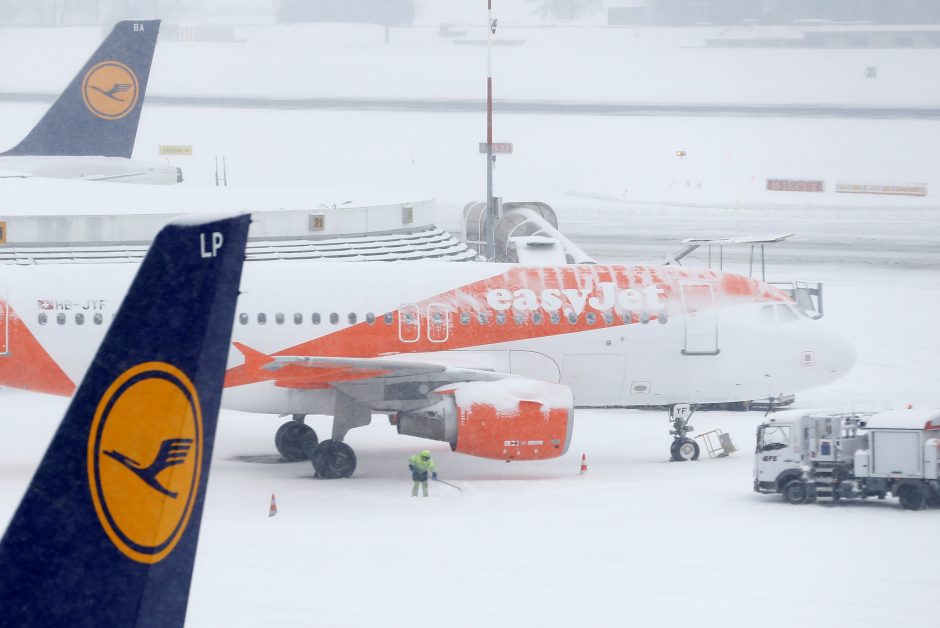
145	459
110	90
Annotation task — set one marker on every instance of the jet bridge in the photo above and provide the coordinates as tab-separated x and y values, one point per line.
807	296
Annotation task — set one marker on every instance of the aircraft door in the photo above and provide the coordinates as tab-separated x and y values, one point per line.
701	319
409	323
438	323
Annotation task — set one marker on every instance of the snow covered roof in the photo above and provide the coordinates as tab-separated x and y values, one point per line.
906	419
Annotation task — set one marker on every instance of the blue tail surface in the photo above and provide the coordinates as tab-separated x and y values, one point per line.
106	533
97	114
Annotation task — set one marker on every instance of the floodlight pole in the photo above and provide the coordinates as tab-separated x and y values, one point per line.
489	222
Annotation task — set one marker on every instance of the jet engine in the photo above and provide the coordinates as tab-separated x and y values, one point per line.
510	419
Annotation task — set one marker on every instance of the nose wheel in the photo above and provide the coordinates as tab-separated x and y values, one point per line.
683	448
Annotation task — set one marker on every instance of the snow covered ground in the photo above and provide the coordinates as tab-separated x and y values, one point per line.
637	540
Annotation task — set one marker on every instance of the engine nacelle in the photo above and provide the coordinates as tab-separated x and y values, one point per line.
510	419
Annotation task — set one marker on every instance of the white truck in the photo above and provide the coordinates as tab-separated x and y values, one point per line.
812	455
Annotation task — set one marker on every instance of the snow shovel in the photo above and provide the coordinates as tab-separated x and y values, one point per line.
450	485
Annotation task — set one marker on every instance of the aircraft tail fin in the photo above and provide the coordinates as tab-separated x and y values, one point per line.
98	112
106	533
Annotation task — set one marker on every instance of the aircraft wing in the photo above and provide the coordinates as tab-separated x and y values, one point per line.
382	383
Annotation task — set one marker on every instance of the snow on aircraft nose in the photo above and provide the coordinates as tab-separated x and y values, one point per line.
834	356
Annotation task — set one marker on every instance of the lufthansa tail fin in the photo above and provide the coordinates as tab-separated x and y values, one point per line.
97	114
106	533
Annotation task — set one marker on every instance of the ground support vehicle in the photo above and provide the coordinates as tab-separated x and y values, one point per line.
812	455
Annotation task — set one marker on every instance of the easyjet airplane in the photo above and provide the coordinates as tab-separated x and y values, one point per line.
490	358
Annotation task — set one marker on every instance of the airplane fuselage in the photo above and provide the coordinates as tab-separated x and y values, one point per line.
616	335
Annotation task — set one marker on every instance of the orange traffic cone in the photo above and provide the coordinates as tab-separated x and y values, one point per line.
583	464
273	510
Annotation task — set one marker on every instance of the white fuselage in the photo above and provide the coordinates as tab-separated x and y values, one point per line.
91	168
707	337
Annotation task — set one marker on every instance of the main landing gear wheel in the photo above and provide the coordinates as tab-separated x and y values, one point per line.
333	460
684	449
295	441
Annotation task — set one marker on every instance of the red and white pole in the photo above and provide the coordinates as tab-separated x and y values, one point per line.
489	223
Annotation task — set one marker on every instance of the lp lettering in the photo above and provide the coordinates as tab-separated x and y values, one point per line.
216	242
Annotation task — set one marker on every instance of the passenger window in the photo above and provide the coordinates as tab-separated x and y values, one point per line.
79	319
389	318
536	318
464	318
370	318
590	318
500	318
243	318
572	318
315	318
60	319
43	318
298	318
663	318
279	318
484	318
626	318
519	318
352	318
644	318
609	318
262	318
334	318
98	318
554	317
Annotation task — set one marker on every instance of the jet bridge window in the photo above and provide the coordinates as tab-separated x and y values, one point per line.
79	318
773	437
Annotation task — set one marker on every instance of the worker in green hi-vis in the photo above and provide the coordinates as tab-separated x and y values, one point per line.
420	464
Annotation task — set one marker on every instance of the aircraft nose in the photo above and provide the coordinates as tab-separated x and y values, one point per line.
840	354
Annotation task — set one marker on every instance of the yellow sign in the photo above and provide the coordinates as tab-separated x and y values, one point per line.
110	90
145	459
176	149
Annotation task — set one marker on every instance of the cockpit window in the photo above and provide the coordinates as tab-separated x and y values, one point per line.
785	313
767	314
774	437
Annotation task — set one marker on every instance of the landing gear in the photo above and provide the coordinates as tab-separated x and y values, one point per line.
683	448
334	459
295	440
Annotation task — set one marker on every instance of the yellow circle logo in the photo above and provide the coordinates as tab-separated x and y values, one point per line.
110	90
145	459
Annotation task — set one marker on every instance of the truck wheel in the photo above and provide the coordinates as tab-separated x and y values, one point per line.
913	496
795	492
